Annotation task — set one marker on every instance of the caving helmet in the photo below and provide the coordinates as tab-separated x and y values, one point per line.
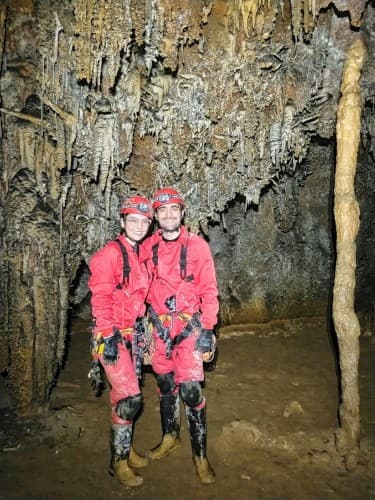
137	205
166	195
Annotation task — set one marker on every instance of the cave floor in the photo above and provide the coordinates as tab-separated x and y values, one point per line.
272	403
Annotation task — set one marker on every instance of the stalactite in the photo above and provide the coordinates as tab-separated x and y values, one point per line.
346	211
23	116
138	10
296	18
3	17
249	8
153	33
304	13
63	291
55	57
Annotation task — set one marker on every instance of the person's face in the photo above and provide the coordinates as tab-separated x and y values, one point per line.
169	217
135	226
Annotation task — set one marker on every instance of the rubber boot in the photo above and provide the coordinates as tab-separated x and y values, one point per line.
121	436
125	474
198	437
170	426
136	460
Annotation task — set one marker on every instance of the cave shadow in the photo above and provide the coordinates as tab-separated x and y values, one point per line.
79	306
330	328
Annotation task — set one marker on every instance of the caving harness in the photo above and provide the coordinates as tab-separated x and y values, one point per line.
163	323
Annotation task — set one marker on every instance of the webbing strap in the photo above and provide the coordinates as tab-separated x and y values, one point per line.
155	249
183	260
191	325
126	267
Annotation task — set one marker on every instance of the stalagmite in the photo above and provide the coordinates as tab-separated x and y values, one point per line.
346	211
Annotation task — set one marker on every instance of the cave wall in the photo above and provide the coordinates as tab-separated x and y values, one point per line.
276	261
234	103
365	272
364	186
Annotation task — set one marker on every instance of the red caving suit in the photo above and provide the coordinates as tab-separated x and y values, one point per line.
197	293
113	306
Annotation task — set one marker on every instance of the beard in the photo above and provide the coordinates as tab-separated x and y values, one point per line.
173	229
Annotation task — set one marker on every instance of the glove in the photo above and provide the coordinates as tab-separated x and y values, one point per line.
96	378
206	341
110	353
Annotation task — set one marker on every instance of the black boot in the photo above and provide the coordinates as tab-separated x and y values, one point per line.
170	426
198	438
121	436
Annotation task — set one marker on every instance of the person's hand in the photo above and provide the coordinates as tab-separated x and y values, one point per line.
208	356
206	344
110	353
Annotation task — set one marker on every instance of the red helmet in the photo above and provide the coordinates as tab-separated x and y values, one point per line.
166	195
137	205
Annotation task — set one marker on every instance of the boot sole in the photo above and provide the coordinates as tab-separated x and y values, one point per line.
205	474
207	481
112	473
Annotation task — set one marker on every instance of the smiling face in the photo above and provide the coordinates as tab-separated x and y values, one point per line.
135	226
169	217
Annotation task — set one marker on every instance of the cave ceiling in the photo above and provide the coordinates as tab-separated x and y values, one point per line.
219	98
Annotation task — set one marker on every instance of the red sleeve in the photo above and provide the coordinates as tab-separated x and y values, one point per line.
207	287
102	266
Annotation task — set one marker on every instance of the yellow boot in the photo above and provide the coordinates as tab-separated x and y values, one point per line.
169	443
204	470
198	438
137	461
125	474
121	449
170	424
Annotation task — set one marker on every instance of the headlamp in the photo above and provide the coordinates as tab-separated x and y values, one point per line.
142	207
165	197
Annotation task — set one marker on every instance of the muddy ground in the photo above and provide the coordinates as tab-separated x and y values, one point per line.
272	416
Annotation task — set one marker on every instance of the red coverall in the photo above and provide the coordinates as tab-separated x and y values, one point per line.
118	307
197	293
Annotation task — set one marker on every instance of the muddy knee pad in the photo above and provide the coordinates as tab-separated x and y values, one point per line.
191	393
127	408
166	383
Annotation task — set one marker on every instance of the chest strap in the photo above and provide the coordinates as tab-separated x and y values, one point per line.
125	267
183	260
